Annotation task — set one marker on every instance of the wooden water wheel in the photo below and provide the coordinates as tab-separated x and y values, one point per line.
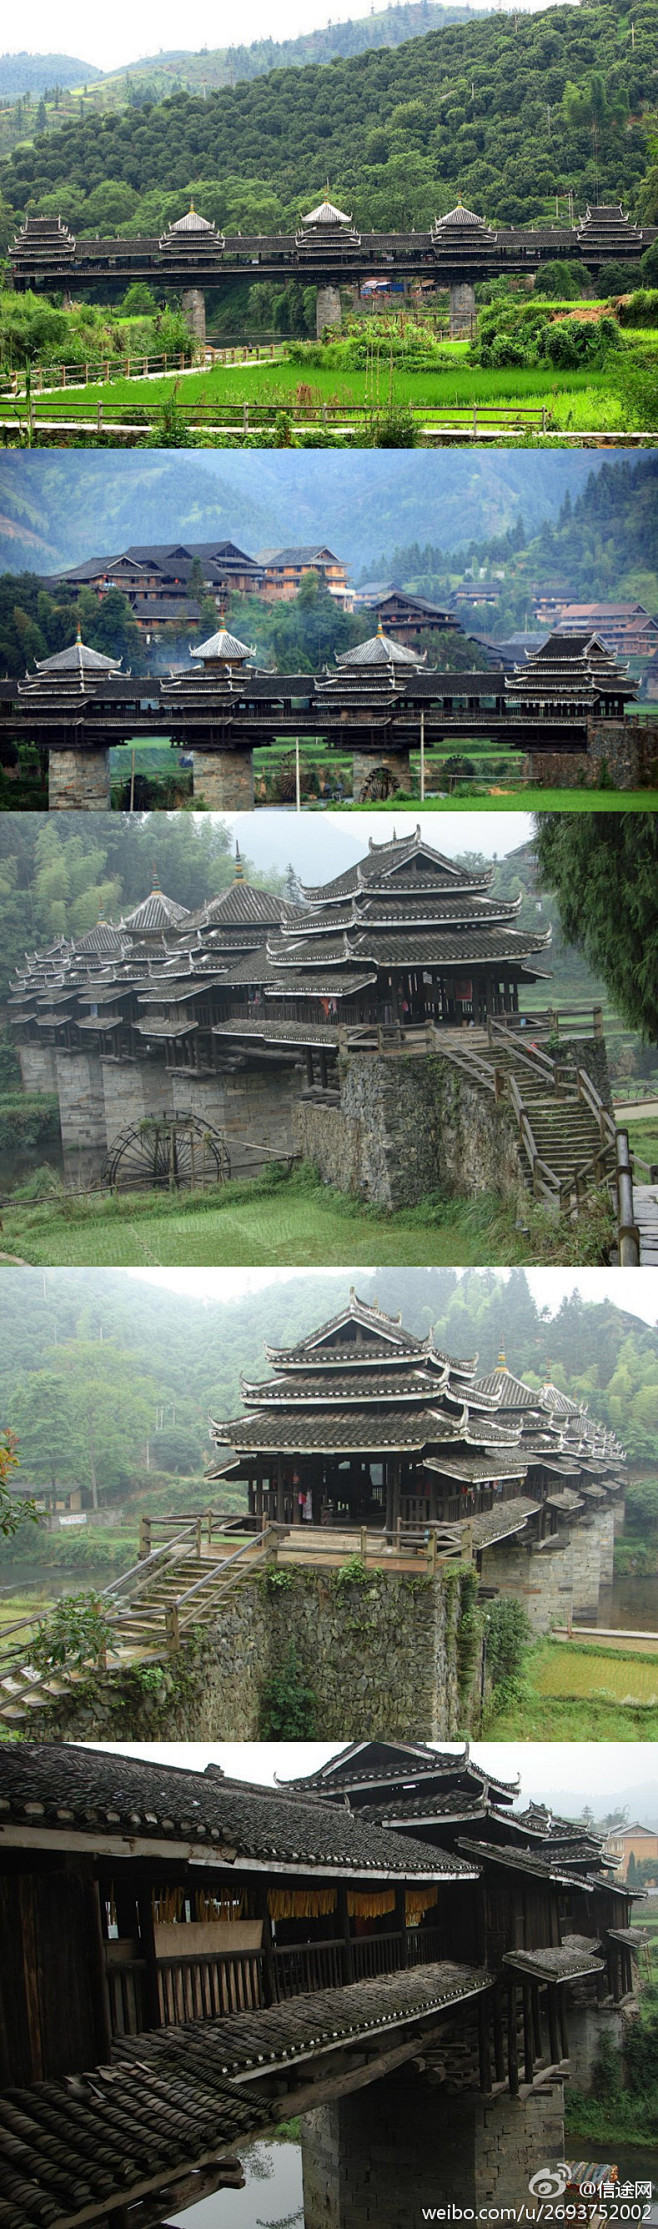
167	1152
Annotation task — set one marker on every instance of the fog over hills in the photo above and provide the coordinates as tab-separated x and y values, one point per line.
56	509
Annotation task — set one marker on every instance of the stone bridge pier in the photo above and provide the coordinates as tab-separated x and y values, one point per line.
462	311
224	780
327	309
374	2159
193	305
79	780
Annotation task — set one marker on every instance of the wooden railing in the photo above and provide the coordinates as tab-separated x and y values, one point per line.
377	1954
213	1985
245	417
299	1967
209	1987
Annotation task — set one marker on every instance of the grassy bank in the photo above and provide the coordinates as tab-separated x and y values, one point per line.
295	1221
567	1693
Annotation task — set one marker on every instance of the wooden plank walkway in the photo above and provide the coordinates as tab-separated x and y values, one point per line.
645	1208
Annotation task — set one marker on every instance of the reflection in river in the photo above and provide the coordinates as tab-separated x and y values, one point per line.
272	2198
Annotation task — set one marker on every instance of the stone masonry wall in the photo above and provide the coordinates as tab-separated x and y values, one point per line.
409	1126
626	749
382	1660
79	781
252	1106
132	1091
541	1578
225	780
38	1068
79	1082
375	2159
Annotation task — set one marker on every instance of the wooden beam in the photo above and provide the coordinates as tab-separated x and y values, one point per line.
304	2100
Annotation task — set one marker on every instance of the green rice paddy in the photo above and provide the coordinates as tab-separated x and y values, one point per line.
579	401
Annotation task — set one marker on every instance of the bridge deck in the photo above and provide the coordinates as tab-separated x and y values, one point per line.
73	2152
645	1204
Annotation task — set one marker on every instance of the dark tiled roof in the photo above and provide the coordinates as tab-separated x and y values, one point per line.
85	1789
559	1964
69	2149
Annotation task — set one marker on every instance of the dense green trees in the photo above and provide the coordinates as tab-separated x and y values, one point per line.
502	109
603	869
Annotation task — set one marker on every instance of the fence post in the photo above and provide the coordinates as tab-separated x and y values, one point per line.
431	1553
245	417
99	416
197	1536
144	1538
364	1544
172	1628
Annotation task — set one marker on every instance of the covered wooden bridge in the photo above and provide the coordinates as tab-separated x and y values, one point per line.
187	1959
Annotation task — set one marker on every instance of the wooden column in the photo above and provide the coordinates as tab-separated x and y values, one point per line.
400	1917
564	2024
152	2014
259	1491
484	2049
528	2054
343	1918
536	2019
512	2043
553	2025
279	1490
96	1953
498	2039
268	1970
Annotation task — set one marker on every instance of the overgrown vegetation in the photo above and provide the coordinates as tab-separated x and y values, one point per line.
288	1704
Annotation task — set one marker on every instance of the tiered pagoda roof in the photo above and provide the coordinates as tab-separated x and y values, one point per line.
577	672
402	907
357	1774
73	673
608	231
363	1384
326	227
459	231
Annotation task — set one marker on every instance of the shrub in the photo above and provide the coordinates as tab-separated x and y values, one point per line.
288	1706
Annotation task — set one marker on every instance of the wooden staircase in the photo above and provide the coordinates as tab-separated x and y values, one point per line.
148	1610
566	1134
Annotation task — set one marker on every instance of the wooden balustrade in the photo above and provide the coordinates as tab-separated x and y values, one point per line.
377	1954
300	1967
208	1987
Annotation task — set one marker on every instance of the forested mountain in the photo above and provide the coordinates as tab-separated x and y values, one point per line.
56	509
156	75
504	110
604	542
173	1354
35	73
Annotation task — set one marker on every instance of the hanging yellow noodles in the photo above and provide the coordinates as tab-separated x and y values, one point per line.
300	1903
168	1904
371	1905
418	1901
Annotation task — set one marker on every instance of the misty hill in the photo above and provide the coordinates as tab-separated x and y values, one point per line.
35	73
156	75
58	508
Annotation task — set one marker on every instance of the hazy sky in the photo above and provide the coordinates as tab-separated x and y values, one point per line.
564	1774
123	33
324	844
623	1286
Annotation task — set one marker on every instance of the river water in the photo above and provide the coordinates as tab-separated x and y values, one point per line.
271	2199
